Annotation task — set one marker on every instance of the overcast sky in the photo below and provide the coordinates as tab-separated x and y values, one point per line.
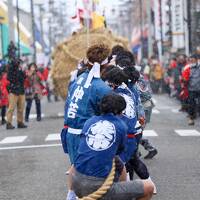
107	4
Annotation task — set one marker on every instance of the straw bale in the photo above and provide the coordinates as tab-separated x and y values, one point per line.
68	53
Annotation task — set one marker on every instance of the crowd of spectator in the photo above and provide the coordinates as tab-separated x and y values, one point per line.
20	84
180	78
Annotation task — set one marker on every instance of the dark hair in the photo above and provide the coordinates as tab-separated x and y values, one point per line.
29	66
116	76
98	53
106	70
117	49
15	62
125	57
123	62
132	74
195	56
112	103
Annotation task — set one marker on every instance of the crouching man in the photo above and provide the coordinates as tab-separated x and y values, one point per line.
103	138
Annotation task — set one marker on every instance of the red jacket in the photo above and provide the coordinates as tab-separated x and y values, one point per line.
45	73
185	76
33	85
3	91
186	73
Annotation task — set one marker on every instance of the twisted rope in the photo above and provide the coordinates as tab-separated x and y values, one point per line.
104	188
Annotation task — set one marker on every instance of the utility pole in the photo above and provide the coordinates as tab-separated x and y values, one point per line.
161	30
51	2
189	25
141	27
11	21
187	50
41	9
130	6
170	22
33	30
18	31
149	20
62	5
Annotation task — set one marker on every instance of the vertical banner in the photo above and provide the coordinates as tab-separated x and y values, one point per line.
165	20
177	24
88	7
157	16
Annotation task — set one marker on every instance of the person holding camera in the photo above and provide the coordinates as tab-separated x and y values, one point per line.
33	90
16	77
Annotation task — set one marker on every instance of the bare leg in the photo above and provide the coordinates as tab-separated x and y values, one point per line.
148	190
71	194
123	176
69	182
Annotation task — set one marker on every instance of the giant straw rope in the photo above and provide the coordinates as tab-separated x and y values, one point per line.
104	188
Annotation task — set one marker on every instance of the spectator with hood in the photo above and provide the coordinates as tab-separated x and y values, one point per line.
16	77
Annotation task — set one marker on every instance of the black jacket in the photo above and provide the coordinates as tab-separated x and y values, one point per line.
16	77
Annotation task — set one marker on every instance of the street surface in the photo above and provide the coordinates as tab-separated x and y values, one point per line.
33	165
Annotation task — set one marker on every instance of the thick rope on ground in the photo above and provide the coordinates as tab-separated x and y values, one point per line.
104	188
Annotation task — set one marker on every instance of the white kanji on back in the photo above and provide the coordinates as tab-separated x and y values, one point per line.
73	106
101	135
130	106
78	93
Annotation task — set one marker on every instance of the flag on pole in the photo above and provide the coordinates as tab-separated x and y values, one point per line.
98	21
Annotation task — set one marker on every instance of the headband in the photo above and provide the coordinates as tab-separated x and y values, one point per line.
120	67
94	72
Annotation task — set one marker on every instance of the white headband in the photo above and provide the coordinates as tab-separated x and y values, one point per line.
102	63
94	72
120	67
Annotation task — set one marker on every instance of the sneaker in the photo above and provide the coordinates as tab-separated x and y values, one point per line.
151	154
190	122
9	126
21	125
71	195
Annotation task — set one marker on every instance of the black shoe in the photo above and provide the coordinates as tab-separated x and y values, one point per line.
26	120
151	154
9	126
21	125
39	119
3	122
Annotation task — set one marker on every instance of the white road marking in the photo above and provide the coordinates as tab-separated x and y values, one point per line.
53	137
29	147
184	132
175	110
11	140
155	111
60	114
149	133
34	116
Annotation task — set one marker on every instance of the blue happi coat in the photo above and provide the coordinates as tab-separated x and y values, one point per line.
139	106
102	139
83	103
130	118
